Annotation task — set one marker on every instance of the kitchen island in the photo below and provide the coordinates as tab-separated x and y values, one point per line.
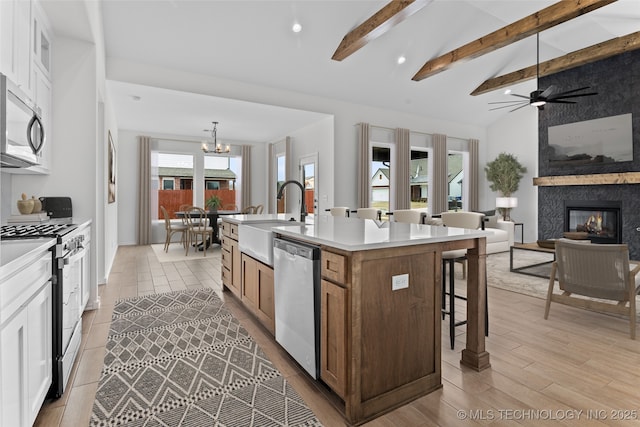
380	344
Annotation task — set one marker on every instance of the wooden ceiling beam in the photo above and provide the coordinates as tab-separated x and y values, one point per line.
379	23
543	19
574	59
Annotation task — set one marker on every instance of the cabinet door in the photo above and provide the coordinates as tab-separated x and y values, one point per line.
15	19
236	275
39	346
265	306
333	336
249	282
13	371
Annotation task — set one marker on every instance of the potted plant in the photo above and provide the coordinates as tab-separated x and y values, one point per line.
504	175
214	202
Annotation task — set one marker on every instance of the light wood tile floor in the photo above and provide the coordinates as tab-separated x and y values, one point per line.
578	368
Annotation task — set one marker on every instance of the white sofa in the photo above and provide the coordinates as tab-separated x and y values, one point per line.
501	238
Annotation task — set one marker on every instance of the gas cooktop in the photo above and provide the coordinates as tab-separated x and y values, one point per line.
34	231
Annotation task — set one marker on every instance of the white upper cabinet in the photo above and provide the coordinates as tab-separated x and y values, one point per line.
15	41
41	41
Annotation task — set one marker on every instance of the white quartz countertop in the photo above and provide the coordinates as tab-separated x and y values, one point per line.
17	254
248	219
354	234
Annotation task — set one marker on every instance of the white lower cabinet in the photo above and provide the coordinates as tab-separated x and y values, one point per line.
25	344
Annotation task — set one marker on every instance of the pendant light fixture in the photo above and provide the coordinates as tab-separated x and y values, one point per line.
217	148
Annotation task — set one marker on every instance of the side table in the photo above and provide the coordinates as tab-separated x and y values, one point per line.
521	224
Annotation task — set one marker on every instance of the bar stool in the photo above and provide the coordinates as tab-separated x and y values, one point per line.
469	220
449	258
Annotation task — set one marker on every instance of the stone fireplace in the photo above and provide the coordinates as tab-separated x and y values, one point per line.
608	184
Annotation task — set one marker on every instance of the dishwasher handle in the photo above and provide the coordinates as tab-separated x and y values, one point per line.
297	249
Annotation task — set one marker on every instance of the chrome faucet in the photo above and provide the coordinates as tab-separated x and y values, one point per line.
303	206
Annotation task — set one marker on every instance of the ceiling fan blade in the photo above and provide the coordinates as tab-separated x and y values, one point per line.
562	102
522	106
572	90
506	102
554	101
577	95
548	91
509	106
521	96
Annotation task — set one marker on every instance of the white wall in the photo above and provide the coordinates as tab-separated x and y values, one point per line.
316	139
517	134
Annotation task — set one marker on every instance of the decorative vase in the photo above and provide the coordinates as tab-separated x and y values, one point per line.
37	205
25	206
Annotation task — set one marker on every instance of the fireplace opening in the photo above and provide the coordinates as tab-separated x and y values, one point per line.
600	219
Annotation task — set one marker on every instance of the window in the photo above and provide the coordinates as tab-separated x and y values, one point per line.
381	172
167	183
456	186
173	175
281	174
419	178
220	176
212	185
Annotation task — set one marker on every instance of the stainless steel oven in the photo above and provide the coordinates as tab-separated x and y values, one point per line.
22	134
70	255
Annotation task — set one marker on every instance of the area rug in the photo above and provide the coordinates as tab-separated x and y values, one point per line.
176	253
500	276
182	359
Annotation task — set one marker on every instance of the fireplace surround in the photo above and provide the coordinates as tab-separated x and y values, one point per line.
615	96
600	219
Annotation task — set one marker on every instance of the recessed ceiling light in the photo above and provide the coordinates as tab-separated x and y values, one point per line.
401	59
296	28
507	91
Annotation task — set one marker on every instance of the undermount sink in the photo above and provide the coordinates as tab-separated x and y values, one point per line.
256	239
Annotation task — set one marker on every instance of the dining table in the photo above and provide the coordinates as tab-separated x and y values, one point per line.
213	220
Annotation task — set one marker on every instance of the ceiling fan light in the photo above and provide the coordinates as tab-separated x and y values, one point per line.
538	103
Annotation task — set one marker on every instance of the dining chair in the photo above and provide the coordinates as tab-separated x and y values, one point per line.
249	210
469	220
411	216
184	208
197	226
369	213
171	229
259	209
339	211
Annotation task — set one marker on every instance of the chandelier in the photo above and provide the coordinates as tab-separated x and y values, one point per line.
217	148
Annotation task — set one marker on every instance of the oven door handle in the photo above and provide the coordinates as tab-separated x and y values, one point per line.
75	255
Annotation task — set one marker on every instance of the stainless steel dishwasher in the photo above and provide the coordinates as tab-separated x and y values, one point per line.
296	268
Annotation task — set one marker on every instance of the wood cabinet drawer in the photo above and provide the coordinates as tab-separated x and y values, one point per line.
226	243
233	231
334	267
226	258
226	277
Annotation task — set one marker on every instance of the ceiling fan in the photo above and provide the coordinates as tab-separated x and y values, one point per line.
538	98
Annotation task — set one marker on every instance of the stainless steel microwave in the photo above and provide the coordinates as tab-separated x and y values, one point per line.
22	134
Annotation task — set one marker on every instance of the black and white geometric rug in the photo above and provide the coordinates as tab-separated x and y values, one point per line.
181	359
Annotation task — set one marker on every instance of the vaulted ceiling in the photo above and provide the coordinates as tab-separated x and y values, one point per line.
252	42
